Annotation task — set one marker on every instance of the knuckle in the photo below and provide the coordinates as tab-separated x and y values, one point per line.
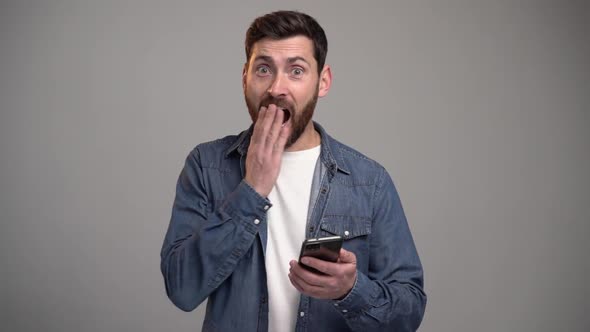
333	284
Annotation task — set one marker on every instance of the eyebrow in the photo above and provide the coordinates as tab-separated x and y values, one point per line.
289	60
296	58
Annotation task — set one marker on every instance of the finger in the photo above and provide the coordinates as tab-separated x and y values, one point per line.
275	129
266	123
295	283
346	256
271	111
284	133
304	286
309	277
258	124
329	268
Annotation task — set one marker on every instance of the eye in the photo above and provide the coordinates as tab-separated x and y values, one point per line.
262	70
297	71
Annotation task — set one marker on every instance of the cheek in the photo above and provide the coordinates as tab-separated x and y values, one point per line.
255	91
250	91
258	83
304	95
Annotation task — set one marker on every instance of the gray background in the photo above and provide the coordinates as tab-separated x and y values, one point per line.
479	110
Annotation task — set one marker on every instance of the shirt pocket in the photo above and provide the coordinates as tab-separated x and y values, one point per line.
355	233
347	227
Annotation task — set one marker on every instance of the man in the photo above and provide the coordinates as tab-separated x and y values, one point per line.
245	203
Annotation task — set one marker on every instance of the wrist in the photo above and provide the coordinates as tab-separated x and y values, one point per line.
259	189
348	290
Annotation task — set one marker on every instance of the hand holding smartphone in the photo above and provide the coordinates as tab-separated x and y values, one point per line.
325	248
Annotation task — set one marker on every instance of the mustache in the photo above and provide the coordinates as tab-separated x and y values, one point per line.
279	102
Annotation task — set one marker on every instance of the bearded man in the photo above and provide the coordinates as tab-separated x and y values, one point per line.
245	203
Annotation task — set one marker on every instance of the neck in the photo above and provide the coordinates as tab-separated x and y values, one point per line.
310	138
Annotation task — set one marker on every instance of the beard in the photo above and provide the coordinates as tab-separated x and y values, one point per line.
299	120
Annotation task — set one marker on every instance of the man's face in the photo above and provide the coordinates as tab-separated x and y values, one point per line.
283	72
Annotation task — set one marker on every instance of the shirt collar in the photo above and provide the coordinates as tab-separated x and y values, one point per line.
330	153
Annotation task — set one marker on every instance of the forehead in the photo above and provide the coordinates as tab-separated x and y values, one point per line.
284	48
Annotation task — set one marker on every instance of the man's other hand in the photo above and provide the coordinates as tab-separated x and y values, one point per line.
336	282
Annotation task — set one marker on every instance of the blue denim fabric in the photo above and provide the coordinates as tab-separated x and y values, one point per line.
216	240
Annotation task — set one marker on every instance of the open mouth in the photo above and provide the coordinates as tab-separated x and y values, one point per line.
286	115
286	111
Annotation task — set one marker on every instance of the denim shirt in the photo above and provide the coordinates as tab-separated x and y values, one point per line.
216	242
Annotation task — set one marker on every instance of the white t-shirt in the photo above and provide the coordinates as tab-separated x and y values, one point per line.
287	220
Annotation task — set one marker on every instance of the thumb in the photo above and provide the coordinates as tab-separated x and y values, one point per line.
347	256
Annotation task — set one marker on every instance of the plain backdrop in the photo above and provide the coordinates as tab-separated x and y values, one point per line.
478	109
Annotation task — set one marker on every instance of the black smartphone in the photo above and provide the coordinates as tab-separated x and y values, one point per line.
324	248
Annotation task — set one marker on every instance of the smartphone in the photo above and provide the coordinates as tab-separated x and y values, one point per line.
324	248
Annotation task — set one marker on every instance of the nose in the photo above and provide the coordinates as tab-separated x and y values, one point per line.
278	88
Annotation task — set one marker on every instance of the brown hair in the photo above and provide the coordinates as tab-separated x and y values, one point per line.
285	24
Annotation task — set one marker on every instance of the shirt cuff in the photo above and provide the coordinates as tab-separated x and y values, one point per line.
358	298
244	203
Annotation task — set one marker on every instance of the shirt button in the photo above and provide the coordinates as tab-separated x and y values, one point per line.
266	207
346	233
256	221
302	314
344	311
335	304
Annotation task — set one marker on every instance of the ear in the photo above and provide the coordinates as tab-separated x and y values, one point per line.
244	73
325	81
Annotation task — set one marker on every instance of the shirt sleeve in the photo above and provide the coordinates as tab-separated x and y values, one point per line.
390	296
203	246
